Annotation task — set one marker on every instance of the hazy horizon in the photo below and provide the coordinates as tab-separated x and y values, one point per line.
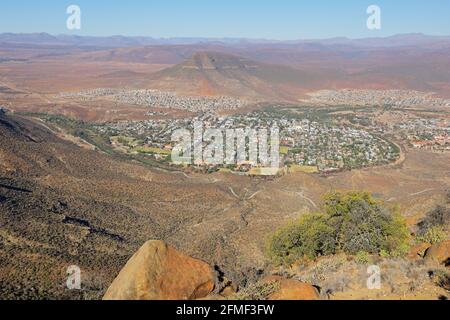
234	19
200	37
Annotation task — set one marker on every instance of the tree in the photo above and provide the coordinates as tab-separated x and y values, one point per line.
309	237
365	224
352	222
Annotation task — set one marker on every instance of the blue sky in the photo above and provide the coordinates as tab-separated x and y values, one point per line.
270	19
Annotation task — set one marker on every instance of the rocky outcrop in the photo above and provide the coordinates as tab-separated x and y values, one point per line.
159	272
439	252
292	290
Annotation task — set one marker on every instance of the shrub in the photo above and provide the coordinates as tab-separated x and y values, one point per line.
308	237
364	224
257	291
433	235
319	271
441	278
439	217
384	254
363	257
353	222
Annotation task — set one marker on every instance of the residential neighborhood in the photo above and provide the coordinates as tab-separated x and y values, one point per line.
305	145
158	99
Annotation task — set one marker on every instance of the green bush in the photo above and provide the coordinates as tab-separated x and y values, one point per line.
365	224
353	222
308	237
363	257
435	225
433	235
384	254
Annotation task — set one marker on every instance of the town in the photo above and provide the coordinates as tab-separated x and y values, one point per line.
399	98
305	145
158	99
430	134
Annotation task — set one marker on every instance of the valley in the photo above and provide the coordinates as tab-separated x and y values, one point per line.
86	175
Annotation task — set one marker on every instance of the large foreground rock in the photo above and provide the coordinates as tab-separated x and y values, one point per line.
292	290
159	272
439	252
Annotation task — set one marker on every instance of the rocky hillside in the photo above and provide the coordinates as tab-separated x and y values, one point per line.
63	204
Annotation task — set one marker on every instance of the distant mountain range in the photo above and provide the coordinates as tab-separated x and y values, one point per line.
413	39
218	73
263	69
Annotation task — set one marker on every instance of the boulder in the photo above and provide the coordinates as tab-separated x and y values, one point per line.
292	290
159	272
439	252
